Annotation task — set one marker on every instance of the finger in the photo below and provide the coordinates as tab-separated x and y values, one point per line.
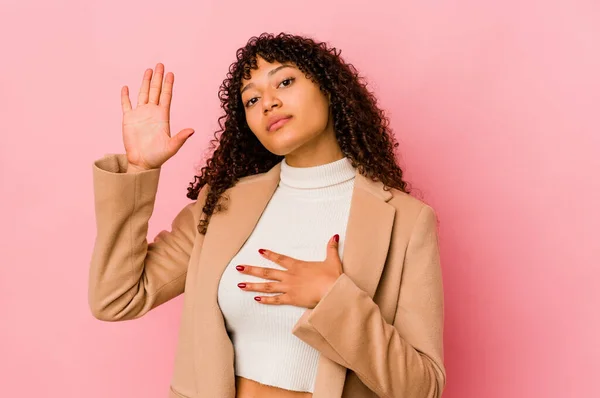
265	273
268	287
280	299
333	245
277	258
179	139
156	84
125	102
143	94
167	91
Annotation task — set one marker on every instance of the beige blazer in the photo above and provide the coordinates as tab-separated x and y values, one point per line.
378	329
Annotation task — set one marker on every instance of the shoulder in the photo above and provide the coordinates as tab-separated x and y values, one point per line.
198	204
251	178
407	203
411	211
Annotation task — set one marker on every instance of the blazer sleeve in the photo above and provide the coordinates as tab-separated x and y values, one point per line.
129	276
399	360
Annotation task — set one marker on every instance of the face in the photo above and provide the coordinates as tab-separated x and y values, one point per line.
277	90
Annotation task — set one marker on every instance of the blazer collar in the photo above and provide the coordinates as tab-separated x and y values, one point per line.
362	260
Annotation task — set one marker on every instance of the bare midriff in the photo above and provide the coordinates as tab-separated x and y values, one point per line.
246	388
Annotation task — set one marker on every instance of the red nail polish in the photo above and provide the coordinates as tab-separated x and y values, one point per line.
239	267
257	298
242	285
261	251
336	237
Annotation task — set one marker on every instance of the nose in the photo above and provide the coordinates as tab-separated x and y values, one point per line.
270	102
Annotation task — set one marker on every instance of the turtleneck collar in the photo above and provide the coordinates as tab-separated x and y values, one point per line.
325	175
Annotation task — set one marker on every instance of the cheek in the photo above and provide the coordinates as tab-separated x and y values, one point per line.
254	121
315	112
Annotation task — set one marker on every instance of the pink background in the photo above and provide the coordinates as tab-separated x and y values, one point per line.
496	108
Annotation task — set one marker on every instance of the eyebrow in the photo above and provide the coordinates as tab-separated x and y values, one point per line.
269	74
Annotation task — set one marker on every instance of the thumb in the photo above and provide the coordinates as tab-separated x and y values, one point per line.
332	247
180	139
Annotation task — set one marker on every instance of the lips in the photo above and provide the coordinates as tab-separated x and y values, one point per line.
278	122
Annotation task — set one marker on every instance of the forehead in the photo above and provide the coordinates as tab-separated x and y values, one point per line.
263	67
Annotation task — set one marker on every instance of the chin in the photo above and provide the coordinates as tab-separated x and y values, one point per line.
279	150
282	142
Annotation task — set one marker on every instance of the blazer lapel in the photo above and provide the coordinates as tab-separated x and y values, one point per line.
226	234
368	237
365	250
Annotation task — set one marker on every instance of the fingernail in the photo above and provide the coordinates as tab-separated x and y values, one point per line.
242	285
336	238
257	298
239	267
261	251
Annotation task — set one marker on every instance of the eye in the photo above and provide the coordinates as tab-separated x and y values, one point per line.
289	80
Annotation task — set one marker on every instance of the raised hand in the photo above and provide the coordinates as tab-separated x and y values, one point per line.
146	130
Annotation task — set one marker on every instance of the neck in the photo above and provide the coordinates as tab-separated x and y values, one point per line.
322	149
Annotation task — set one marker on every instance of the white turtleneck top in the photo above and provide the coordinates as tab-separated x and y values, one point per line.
309	206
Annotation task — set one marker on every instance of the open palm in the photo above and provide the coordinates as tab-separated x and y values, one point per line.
146	129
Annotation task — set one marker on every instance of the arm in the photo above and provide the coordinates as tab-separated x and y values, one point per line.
129	276
403	360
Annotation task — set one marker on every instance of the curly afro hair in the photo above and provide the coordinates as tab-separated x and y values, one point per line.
361	128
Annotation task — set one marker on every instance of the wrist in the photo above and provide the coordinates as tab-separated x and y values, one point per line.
135	169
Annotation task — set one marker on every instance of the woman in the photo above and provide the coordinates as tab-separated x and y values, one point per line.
274	304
